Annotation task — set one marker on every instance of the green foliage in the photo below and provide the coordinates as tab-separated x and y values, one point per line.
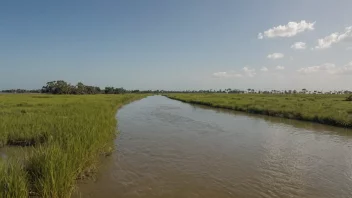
62	87
13	180
112	90
21	91
69	132
323	108
349	98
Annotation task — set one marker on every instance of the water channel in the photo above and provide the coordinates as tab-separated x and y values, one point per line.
167	148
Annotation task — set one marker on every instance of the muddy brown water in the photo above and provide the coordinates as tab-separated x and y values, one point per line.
167	148
3	154
14	152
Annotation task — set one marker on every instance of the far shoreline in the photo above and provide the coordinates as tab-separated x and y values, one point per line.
269	112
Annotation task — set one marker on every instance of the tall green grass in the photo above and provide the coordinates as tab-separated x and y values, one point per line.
13	180
325	109
68	134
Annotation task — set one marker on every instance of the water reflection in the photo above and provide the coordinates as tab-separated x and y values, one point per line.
167	148
282	121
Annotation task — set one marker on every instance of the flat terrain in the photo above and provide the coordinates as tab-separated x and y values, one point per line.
325	109
171	149
65	134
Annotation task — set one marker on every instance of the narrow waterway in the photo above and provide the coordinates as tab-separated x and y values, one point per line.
167	148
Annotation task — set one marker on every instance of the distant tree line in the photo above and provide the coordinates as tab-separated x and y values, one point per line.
21	91
252	91
62	87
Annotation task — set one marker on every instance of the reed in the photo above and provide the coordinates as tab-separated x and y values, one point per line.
67	135
325	109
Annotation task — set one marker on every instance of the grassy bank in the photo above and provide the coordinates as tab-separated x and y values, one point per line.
326	109
68	134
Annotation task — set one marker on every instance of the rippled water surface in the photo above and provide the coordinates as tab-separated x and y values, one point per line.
171	149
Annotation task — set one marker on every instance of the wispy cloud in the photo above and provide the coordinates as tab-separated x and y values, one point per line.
349	48
230	74
275	56
264	69
299	46
328	68
249	72
333	38
246	71
280	67
289	30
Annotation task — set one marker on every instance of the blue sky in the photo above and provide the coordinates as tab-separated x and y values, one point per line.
197	44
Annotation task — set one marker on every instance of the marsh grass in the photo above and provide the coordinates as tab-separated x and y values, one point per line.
13	180
326	109
67	133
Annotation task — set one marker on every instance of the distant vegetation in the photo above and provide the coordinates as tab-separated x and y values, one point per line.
66	134
63	87
253	91
349	98
325	109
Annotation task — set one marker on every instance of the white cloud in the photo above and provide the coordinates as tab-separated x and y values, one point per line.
249	72
299	46
328	68
231	74
314	69
289	30
246	71
275	56
280	67
264	69
349	48
347	69
333	38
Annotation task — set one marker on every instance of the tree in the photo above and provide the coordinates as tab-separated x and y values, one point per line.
81	88
109	90
119	90
62	87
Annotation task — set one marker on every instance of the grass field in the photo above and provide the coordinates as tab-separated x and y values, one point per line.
325	109
67	134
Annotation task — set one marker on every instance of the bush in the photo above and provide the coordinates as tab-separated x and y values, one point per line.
349	98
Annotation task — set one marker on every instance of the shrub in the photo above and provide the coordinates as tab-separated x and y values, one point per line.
349	98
